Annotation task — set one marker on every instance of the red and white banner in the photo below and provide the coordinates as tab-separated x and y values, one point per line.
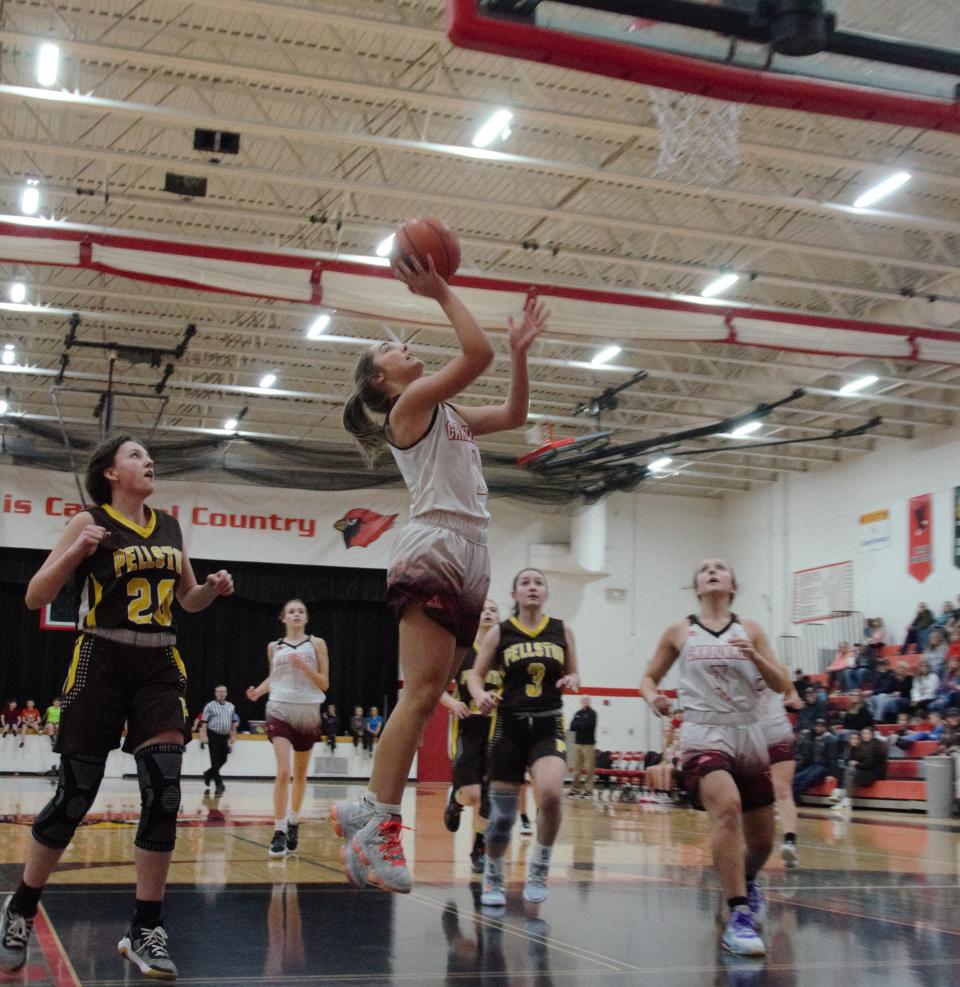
920	537
224	521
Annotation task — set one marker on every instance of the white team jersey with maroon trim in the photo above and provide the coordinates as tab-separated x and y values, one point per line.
442	471
770	706
714	675
287	683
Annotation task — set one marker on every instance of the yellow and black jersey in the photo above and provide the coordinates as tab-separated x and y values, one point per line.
532	660
130	581
491	682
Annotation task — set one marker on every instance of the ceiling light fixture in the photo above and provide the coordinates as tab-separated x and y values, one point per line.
9	355
48	64
605	355
881	191
30	197
319	326
17	292
230	424
720	285
858	385
660	464
497	125
746	429
385	246
4	407
267	381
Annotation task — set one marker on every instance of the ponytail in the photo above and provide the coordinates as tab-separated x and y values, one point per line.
367	433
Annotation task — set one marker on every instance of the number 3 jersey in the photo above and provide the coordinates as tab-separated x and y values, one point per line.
714	676
532	661
130	581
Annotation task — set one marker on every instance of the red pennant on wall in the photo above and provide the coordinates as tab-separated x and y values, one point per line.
920	546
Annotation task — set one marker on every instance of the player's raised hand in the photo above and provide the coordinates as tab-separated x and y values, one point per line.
522	334
571	682
745	648
421	279
661	705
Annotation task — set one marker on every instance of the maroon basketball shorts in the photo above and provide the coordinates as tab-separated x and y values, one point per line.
439	562
740	750
778	734
297	722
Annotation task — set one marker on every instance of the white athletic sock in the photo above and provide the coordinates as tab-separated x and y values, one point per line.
293	818
385	809
541	854
280	824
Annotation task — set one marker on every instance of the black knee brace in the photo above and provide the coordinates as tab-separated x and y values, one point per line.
485	800
158	771
79	781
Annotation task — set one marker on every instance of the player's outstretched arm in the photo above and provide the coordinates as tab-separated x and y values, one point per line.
663	658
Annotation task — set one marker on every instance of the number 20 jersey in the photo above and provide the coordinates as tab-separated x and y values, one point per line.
130	581
532	660
714	675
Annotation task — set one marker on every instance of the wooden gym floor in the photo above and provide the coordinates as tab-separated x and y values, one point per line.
632	900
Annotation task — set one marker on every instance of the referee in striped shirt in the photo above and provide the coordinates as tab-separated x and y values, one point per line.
218	729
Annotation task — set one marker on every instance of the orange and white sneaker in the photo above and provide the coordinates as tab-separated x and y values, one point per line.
377	846
348	818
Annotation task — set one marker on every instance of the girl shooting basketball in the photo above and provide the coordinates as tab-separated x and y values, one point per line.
723	747
439	570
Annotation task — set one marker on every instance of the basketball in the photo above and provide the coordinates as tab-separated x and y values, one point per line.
424	237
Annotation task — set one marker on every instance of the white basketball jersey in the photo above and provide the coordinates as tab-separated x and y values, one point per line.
714	675
287	683
442	471
770	706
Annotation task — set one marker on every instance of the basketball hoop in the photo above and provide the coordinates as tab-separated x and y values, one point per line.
699	137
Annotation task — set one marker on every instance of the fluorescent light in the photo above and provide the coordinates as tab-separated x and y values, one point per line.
48	64
878	192
268	380
747	428
605	355
319	326
9	355
660	464
230	424
858	385
4	407
385	246
30	198
17	292
498	125
720	285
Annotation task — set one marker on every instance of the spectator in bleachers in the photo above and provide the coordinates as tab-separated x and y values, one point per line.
919	627
906	738
936	652
863	666
813	709
867	764
950	740
30	718
875	635
816	757
51	720
846	657
10	717
357	723
953	644
801	682
944	617
948	692
924	691
331	726
891	691
857	715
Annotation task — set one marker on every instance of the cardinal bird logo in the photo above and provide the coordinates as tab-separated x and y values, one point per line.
360	527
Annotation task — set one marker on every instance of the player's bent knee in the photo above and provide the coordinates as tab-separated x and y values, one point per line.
503	813
158	772
77	787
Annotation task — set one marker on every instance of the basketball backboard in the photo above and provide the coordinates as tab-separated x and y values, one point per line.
895	61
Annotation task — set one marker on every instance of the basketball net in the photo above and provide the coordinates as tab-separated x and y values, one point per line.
699	137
